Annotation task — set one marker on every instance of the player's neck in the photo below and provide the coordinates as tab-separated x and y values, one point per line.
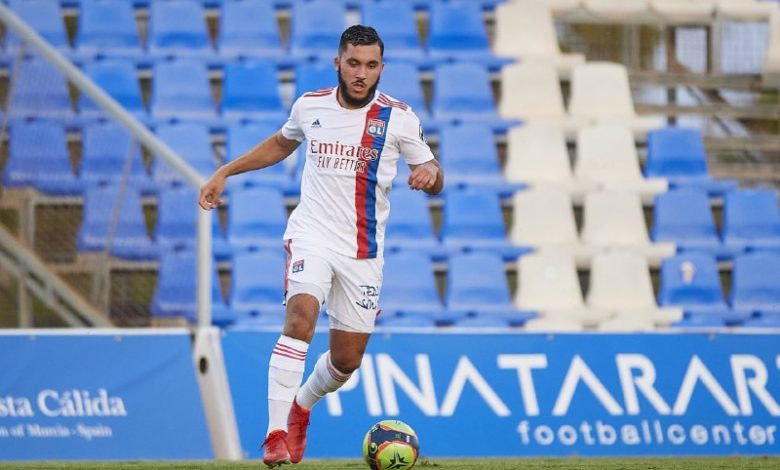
353	104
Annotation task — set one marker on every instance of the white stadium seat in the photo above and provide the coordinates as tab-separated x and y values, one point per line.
531	92
544	218
607	155
537	155
614	220
745	10
617	10
620	283
684	11
525	31
600	92
557	7
548	284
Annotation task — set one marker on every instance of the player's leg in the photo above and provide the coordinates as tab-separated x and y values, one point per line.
352	308
307	282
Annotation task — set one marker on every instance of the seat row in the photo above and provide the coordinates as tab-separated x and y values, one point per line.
249	29
181	90
548	297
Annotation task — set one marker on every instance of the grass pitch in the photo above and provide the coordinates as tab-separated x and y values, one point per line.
670	463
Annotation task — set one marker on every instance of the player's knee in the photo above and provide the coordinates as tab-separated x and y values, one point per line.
346	364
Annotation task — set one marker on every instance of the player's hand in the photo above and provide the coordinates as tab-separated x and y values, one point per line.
211	192
423	176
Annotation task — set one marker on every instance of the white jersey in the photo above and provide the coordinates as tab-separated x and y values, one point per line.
351	158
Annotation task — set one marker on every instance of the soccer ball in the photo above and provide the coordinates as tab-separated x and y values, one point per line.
390	444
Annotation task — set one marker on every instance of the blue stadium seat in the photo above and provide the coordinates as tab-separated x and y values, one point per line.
410	226
477	286
755	283
38	156
181	91
177	29
473	222
401	81
470	158
409	288
405	321
176	226
691	281
249	30
120	230
316	28
763	320
258	283
684	216
253	225
457	33
313	76
106	148
678	155
397	26
41	92
107	28
482	321
241	138
193	143
462	93
250	92
45	17
118	78
751	219
176	291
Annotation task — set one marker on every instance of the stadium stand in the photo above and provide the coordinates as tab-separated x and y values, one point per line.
692	281
544	219
38	157
548	284
106	149
607	157
751	220
241	138
119	78
678	155
316	26
620	284
248	30
256	290
525	31
532	94
754	288
251	93
177	29
410	226
396	24
684	217
181	91
192	142
409	290
477	287
252	225
537	155
108	25
40	92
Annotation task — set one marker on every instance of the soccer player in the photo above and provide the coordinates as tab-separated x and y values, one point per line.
354	136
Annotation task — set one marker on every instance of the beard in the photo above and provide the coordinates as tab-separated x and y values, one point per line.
353	100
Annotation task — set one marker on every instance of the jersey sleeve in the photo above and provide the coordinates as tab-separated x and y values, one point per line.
413	146
292	128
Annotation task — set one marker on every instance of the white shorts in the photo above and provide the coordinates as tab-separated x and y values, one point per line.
350	286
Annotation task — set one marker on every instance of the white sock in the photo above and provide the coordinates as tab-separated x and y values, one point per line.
285	371
323	379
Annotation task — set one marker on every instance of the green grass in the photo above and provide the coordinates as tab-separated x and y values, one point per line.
672	463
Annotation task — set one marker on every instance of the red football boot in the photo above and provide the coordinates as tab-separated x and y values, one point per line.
275	451
297	422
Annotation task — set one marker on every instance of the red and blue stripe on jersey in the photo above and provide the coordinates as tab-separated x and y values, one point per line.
365	184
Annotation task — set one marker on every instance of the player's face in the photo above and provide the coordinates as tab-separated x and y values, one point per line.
359	68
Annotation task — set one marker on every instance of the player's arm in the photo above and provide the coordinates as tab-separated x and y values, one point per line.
269	152
428	176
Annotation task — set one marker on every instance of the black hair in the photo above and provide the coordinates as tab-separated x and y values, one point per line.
359	35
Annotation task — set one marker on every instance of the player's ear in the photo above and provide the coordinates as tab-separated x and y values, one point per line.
336	63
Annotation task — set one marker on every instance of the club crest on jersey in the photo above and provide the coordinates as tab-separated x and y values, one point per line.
375	127
297	266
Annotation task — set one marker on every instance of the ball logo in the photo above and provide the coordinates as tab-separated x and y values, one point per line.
375	127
